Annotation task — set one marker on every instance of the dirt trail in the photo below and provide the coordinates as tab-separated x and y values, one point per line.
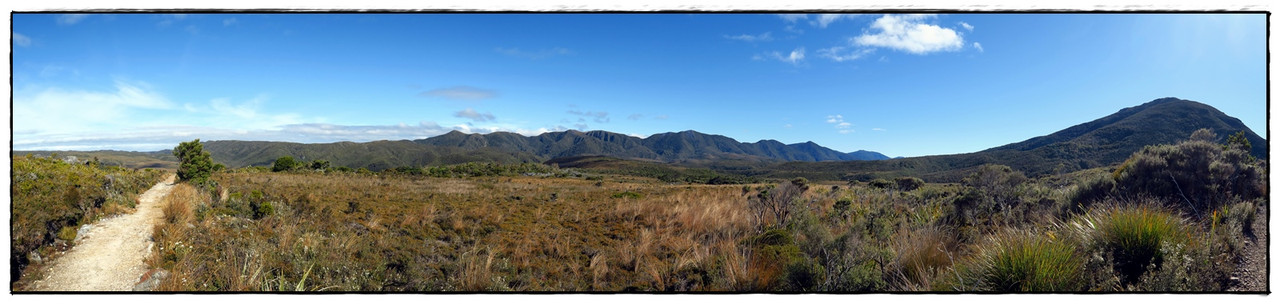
109	257
1252	273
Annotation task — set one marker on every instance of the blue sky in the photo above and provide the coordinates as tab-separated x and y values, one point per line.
902	85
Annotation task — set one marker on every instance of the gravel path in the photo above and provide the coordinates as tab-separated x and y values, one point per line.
1252	272
109	257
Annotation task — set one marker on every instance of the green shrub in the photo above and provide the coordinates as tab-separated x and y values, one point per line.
1092	190
1196	175
285	163
195	164
908	183
627	194
67	233
881	183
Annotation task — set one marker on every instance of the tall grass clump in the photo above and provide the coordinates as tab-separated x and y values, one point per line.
921	255
1135	236
1021	262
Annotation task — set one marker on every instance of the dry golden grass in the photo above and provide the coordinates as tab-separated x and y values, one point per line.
350	232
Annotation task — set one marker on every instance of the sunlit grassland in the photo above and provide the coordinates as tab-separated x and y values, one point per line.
1106	229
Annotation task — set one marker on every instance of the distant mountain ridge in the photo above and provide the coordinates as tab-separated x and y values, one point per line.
1102	142
668	147
504	147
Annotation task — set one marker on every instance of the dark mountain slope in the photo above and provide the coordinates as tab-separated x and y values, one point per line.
1102	142
376	155
669	147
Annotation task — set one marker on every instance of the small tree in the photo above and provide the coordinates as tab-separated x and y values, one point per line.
194	164
285	163
779	201
319	164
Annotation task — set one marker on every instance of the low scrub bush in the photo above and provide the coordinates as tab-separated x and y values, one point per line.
1196	175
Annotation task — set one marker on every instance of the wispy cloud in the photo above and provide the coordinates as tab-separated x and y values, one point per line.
796	57
766	36
56	110
70	19
877	129
792	18
823	20
843	127
471	114
600	117
818	20
911	34
169	19
842	54
21	40
966	26
978	46
134	116
460	93
538	54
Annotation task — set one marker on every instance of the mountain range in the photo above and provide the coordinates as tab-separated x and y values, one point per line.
1101	142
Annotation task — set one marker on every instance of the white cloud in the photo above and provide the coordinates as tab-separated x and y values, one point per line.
838	122
70	19
539	54
909	33
819	20
767	36
21	40
826	19
839	53
966	26
460	93
55	109
791	18
877	129
795	57
978	46
470	113
600	117
835	118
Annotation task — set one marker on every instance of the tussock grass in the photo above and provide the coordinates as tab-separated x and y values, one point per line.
922	255
1014	261
1135	235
